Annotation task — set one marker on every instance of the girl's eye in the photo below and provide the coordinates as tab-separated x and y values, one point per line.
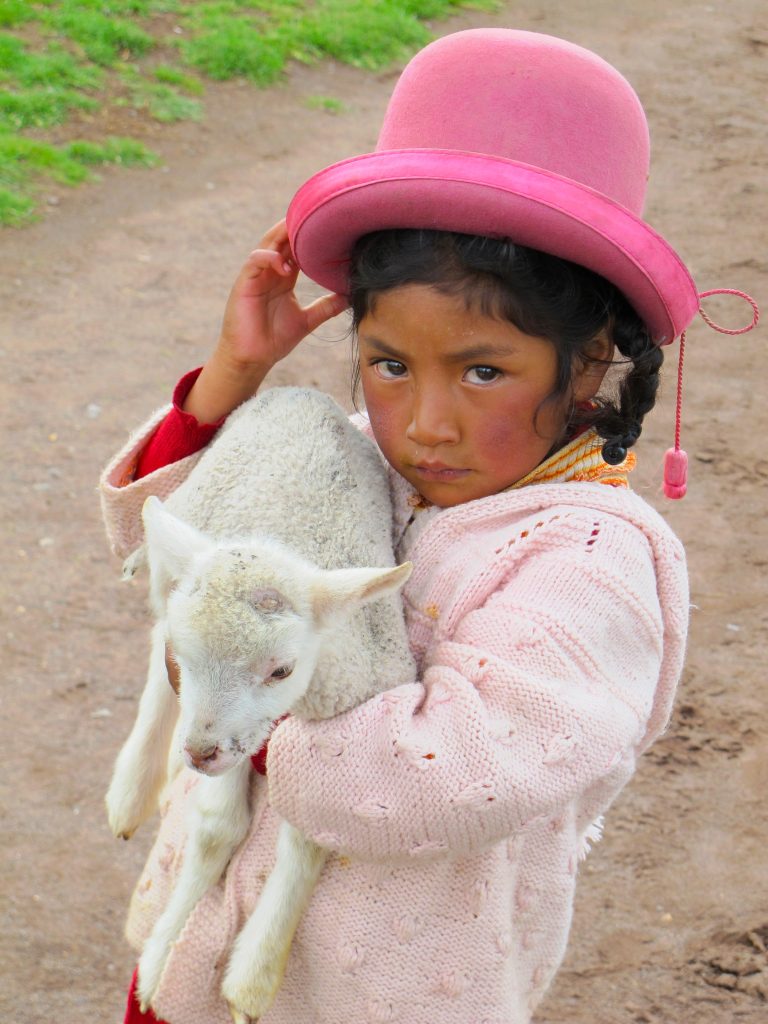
482	374
282	673
389	369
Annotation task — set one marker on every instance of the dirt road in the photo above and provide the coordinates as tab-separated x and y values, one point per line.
121	289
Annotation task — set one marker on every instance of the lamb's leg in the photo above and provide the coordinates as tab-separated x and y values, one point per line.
260	953
220	819
141	767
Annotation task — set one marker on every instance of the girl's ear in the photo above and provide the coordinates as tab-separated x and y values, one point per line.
591	368
172	545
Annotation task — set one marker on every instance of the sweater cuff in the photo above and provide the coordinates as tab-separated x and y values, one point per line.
180	434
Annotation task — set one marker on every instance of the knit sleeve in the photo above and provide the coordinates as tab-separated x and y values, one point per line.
537	696
122	495
179	434
156	459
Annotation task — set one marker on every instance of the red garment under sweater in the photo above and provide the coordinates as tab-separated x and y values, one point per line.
133	1014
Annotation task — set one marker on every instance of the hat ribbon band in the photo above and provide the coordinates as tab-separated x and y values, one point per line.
676	460
742	295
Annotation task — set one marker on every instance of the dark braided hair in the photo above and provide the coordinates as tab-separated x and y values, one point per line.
542	295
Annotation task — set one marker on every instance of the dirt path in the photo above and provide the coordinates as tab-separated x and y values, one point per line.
121	289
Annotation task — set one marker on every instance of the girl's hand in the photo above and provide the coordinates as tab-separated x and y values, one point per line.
263	322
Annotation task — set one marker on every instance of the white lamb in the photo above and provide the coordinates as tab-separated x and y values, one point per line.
263	614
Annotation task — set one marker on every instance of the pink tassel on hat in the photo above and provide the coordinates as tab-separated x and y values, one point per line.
675	473
675	459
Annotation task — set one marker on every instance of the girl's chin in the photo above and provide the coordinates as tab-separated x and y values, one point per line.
448	492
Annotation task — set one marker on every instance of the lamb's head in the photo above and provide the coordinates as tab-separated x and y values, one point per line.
245	621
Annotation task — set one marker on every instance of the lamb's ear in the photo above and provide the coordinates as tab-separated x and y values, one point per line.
339	592
172	544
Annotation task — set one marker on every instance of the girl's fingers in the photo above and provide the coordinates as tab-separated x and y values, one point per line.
261	258
276	241
323	309
276	236
267	259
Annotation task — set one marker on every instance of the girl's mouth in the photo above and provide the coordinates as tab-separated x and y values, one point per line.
437	471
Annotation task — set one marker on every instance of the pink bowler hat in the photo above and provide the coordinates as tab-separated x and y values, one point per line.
508	134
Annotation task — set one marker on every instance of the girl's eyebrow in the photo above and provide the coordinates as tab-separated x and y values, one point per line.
481	352
381	346
465	355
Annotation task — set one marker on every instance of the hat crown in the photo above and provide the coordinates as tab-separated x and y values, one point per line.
526	97
505	134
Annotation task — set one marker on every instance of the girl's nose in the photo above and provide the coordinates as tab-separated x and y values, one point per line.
433	420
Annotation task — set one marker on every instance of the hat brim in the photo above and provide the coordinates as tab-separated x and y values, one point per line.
478	194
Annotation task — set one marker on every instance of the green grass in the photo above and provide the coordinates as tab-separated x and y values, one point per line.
327	103
39	108
102	37
62	60
254	39
127	152
162	101
172	76
225	50
69	164
51	66
41	88
16	207
361	33
15	12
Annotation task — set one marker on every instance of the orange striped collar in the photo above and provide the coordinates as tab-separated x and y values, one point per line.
580	460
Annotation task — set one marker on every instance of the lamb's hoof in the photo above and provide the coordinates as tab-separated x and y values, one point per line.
249	1003
242	1018
124	816
143	1001
252	980
151	964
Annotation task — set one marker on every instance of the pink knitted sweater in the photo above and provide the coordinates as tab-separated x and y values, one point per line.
549	626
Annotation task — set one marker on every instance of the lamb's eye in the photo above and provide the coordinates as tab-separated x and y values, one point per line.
282	673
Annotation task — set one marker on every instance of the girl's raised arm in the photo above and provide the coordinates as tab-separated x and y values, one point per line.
263	322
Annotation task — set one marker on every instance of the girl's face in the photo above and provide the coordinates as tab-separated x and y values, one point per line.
455	397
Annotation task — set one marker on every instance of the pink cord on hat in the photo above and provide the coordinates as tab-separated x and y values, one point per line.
675	459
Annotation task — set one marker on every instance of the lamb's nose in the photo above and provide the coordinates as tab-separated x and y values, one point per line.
198	758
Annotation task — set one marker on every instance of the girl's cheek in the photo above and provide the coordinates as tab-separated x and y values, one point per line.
382	414
513	435
502	431
382	423
498	434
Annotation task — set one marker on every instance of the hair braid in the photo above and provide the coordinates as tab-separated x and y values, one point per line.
621	426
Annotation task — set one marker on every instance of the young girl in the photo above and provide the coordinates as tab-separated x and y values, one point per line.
496	265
